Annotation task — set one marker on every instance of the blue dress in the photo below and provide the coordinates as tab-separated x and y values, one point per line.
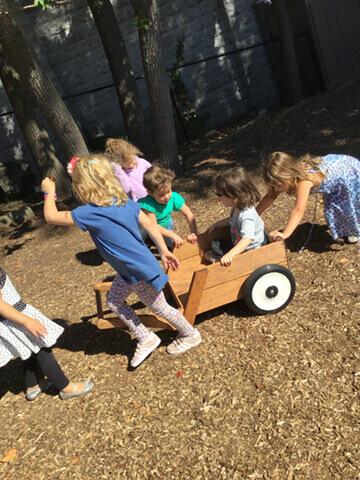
115	232
341	194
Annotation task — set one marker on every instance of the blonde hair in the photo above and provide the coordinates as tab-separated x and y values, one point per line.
236	183
157	177
120	151
94	181
282	167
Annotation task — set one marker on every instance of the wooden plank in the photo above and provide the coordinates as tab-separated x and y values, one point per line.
195	292
151	321
100	312
102	286
242	264
229	292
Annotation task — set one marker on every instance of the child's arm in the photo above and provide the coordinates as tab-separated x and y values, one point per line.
178	241
266	201
51	213
302	197
168	259
240	247
221	223
192	237
34	326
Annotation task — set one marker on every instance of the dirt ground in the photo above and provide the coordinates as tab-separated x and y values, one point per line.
263	397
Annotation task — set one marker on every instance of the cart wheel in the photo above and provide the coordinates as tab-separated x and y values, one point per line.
269	289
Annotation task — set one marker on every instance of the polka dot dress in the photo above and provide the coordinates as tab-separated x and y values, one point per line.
341	194
15	339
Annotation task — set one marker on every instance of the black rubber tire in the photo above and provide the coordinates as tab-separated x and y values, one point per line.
269	297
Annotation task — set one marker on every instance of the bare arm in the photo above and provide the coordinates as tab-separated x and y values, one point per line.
185	210
51	213
34	326
240	247
297	213
266	202
152	229
164	231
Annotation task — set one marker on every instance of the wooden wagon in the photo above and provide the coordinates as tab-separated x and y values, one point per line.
260	276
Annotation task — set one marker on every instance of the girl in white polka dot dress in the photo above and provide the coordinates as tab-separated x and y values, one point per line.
27	333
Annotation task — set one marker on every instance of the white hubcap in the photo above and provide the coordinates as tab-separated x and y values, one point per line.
271	291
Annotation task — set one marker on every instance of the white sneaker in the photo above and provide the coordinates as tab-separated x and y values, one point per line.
143	349
182	344
352	239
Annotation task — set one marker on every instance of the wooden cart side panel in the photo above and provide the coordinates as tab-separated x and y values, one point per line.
242	265
246	263
231	291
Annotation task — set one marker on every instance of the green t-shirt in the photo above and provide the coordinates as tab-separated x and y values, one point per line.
162	212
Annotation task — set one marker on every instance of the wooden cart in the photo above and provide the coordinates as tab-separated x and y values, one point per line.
260	276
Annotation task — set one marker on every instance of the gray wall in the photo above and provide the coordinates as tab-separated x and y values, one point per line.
67	43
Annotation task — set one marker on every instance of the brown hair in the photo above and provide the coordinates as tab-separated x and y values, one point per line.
120	151
94	181
282	167
157	177
236	183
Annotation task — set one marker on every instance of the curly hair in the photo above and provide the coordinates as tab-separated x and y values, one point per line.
236	183
282	167
120	151
94	181
157	177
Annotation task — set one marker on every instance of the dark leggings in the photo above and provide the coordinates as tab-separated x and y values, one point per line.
49	366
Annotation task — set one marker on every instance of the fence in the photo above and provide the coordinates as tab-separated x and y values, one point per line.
206	94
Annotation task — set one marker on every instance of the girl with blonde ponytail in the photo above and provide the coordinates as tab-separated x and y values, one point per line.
113	221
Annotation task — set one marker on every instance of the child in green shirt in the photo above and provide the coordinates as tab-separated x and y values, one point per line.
161	201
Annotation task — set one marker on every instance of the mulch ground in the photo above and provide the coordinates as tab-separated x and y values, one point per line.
263	397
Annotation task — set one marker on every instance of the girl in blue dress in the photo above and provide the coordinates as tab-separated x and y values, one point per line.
113	221
336	177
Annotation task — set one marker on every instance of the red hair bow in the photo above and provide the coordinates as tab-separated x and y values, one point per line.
71	165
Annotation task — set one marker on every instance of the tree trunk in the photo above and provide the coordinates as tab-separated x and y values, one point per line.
120	67
294	90
148	24
33	129
38	84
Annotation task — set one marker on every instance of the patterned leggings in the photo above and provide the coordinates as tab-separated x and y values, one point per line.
151	298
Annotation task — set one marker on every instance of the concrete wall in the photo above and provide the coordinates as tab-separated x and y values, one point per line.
67	43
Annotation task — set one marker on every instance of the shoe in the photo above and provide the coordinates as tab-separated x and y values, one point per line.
143	349
352	239
32	394
182	344
35	392
89	385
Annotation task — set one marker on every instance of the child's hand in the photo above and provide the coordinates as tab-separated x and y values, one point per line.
48	186
226	260
35	327
177	240
170	261
276	236
192	238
